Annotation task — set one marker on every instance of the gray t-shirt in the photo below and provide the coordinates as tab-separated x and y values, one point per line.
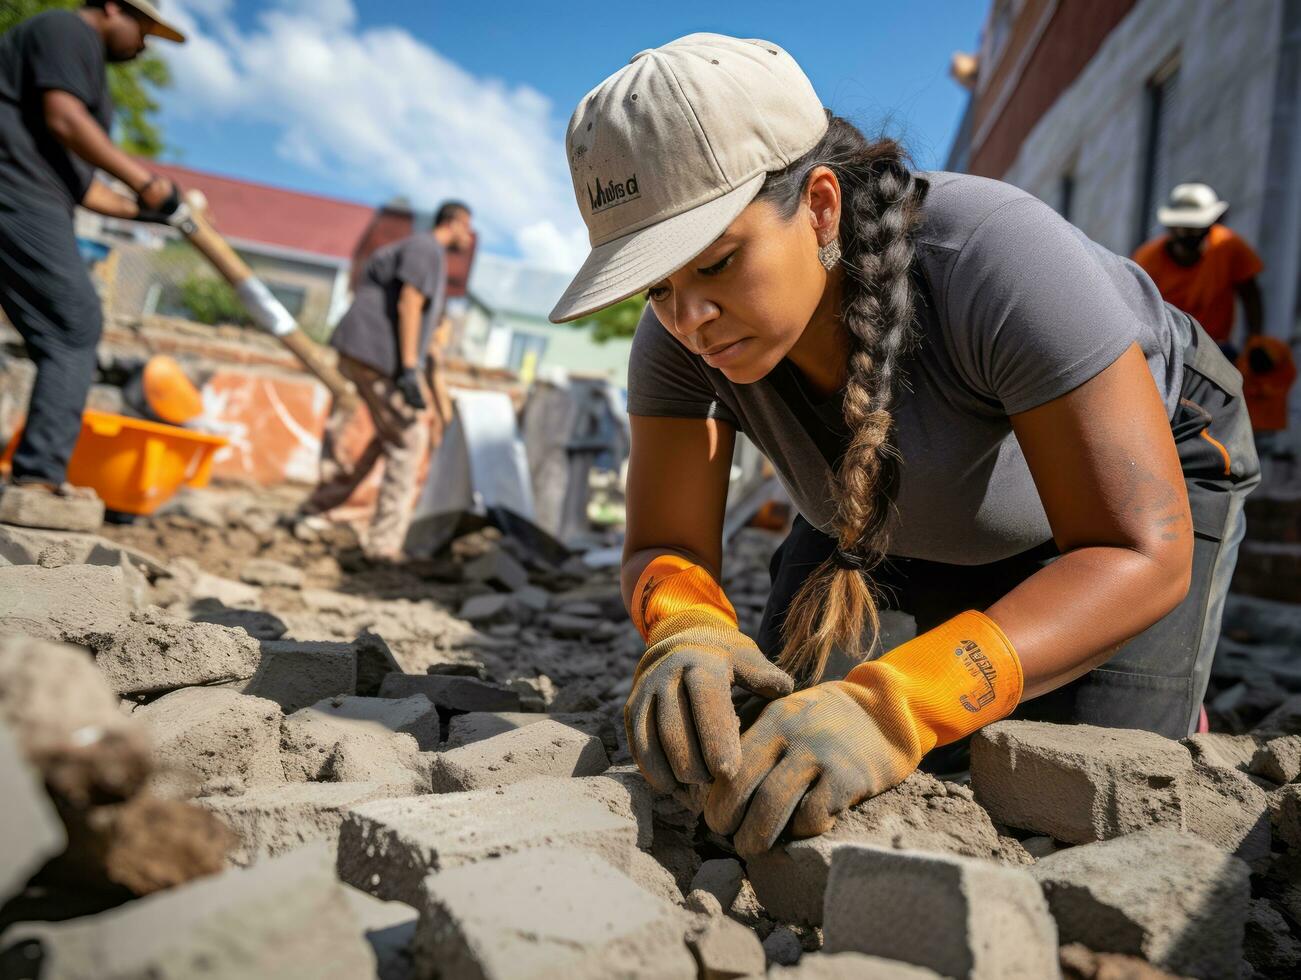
368	332
1017	307
53	51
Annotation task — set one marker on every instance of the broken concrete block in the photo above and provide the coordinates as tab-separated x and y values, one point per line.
206	733
389	927
726	950
273	820
1283	720
722	878
29	826
1285	814
31	507
1171	898
491	607
652	876
783	947
1268	944
544	749
1079	783
269	572
296	673
360	740
452	694
1225	808
49	690
1225	751
959	917
65	603
156	652
29	546
498	569
850	966
287	917
547	913
388	847
920	814
478	725
1279	759
375	661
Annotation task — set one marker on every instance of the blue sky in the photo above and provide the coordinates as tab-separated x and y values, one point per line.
366	100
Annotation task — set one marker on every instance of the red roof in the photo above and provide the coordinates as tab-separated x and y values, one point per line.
252	212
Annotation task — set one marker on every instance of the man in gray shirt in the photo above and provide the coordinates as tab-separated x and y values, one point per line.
384	343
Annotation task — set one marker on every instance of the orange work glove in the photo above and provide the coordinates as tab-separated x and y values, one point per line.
820	750
682	728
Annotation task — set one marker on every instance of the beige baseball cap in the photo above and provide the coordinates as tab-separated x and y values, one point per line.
667	151
159	27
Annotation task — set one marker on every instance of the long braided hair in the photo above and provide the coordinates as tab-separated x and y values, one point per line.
881	207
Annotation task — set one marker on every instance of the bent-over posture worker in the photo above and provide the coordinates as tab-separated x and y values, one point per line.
55	116
984	418
385	345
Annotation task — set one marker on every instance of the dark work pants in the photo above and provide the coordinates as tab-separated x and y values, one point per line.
1156	681
48	296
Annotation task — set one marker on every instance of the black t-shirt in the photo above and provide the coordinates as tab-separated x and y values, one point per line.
55	50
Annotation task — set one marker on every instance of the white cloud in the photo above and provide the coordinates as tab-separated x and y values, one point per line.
378	108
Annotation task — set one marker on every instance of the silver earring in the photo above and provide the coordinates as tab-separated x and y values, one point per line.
829	254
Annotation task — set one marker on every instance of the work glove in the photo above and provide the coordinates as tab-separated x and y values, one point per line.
408	383
1259	360
821	750
165	212
682	728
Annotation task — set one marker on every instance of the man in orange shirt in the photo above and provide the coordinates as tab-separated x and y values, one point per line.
1200	265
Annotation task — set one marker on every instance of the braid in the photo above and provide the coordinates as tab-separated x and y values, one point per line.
881	206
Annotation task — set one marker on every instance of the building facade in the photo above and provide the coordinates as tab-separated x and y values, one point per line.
1099	107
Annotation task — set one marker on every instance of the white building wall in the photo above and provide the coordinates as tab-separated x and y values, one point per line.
1219	122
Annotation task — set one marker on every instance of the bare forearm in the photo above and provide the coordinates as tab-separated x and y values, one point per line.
1070	616
72	125
104	200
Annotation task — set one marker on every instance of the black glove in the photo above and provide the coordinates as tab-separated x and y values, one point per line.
162	215
1259	360
408	383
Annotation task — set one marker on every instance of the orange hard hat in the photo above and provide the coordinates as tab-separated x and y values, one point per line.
170	394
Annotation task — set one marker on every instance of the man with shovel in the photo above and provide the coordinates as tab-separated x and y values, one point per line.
55	116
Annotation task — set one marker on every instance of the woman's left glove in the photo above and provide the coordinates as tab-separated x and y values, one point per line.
818	751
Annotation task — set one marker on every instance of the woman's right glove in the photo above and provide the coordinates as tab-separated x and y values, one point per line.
682	728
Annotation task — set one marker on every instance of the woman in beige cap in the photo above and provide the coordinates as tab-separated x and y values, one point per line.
984	418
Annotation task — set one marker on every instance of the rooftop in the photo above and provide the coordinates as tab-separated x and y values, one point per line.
251	212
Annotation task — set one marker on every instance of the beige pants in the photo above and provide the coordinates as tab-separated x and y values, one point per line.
401	436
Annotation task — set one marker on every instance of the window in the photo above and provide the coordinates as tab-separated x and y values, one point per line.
1155	173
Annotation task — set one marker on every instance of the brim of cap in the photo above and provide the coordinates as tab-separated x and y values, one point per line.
158	27
1191	217
167	32
619	269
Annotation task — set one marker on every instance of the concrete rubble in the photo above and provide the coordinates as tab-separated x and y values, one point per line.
960	917
238	743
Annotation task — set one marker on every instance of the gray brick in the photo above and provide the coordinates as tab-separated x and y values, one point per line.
1171	898
548	913
959	917
544	749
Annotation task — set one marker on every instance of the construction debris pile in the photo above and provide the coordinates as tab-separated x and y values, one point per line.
232	748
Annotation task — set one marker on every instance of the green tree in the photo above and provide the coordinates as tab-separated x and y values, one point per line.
619	320
133	85
212	301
